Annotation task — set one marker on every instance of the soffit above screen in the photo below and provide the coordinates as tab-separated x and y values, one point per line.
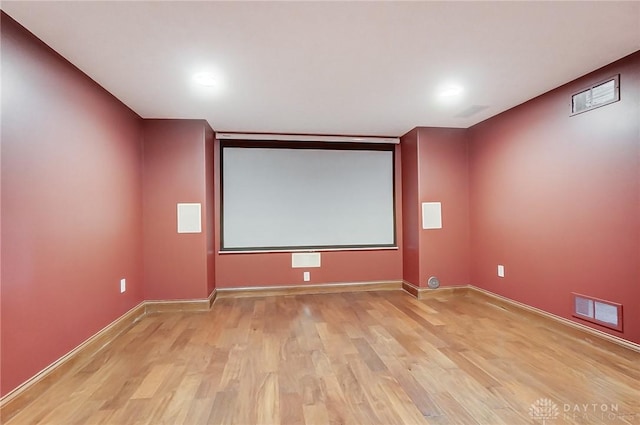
307	138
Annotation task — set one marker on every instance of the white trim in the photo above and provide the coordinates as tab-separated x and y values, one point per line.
307	138
319	288
285	250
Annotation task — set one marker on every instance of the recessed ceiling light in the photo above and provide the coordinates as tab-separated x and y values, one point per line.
450	91
205	79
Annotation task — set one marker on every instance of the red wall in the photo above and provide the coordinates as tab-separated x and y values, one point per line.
175	171
209	208
272	269
411	224
556	200
444	177
435	169
71	206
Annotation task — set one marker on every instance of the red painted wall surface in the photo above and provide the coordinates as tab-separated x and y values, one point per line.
210	208
443	170
411	224
71	206
556	200
273	269
435	169
175	265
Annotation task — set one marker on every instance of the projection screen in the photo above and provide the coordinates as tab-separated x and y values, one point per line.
292	196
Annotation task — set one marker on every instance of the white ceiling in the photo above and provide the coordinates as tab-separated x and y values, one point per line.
350	68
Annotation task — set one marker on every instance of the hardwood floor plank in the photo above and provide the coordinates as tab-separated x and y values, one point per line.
454	411
338	408
185	392
416	392
152	381
473	370
315	414
223	408
402	404
368	355
291	411
268	401
199	411
374	394
374	358
349	385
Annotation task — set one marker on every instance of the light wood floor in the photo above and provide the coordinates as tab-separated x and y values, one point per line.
351	358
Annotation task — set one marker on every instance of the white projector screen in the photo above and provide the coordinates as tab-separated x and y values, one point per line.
282	198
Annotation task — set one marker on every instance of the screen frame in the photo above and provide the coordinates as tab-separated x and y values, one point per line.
335	146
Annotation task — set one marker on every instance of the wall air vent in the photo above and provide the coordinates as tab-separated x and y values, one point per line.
599	94
305	259
604	313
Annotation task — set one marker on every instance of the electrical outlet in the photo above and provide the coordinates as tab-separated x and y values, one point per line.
306	276
123	285
500	270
